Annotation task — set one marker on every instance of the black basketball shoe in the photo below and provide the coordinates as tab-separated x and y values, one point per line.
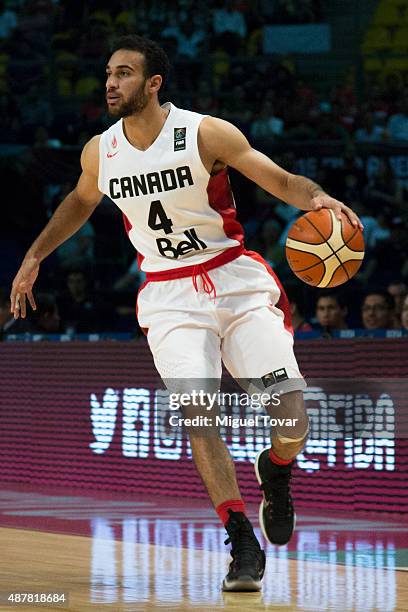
276	513
247	567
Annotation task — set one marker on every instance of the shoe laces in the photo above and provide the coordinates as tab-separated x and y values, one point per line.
242	539
278	497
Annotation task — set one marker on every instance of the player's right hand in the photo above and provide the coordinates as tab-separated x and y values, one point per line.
22	287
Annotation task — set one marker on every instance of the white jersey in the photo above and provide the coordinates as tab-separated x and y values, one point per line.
175	213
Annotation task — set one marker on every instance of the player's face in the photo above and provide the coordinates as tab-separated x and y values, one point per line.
376	313
126	91
329	313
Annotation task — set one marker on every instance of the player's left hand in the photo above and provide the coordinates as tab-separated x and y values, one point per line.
326	201
22	287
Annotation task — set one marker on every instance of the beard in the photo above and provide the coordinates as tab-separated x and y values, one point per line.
133	106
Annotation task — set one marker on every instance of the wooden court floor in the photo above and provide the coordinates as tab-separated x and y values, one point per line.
154	555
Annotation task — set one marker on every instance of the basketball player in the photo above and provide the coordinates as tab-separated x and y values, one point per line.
205	299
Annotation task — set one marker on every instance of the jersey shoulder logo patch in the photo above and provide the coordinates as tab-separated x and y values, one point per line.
180	138
114	144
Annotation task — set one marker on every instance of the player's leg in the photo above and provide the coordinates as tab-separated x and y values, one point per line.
289	436
258	352
273	467
217	470
189	357
257	349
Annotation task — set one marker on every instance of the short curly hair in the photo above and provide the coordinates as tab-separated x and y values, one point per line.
156	60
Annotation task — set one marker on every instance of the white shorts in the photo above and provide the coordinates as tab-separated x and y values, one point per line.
190	333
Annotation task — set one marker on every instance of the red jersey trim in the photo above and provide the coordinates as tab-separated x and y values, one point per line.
127	223
221	199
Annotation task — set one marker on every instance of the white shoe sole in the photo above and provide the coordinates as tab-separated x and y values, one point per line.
260	512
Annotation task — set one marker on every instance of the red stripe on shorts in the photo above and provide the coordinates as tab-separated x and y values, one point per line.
142	286
283	302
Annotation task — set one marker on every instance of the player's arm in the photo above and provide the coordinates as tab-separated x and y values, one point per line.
70	215
222	141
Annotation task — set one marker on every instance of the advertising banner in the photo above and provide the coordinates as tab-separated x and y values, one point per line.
95	415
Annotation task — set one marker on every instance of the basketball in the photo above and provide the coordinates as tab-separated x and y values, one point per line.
324	251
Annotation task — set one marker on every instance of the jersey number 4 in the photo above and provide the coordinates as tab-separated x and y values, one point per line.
158	220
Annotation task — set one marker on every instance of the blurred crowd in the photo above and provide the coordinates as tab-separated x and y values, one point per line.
53	54
52	65
340	309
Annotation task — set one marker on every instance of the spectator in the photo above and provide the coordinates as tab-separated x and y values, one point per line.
80	311
298	113
189	40
397	125
377	104
299	322
235	107
228	19
270	247
45	319
124	298
42	139
376	226
370	130
377	311
77	251
327	127
267	125
398	289
344	116
229	27
404	314
35	24
383	189
205	102
92	111
394	253
35	108
331	311
8	21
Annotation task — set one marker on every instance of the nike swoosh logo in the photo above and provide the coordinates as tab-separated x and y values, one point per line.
112	154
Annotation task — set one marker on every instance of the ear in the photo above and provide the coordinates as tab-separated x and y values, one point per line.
154	83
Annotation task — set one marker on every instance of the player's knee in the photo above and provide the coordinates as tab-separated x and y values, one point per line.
294	419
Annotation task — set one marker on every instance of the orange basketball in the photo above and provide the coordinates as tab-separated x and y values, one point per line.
322	250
